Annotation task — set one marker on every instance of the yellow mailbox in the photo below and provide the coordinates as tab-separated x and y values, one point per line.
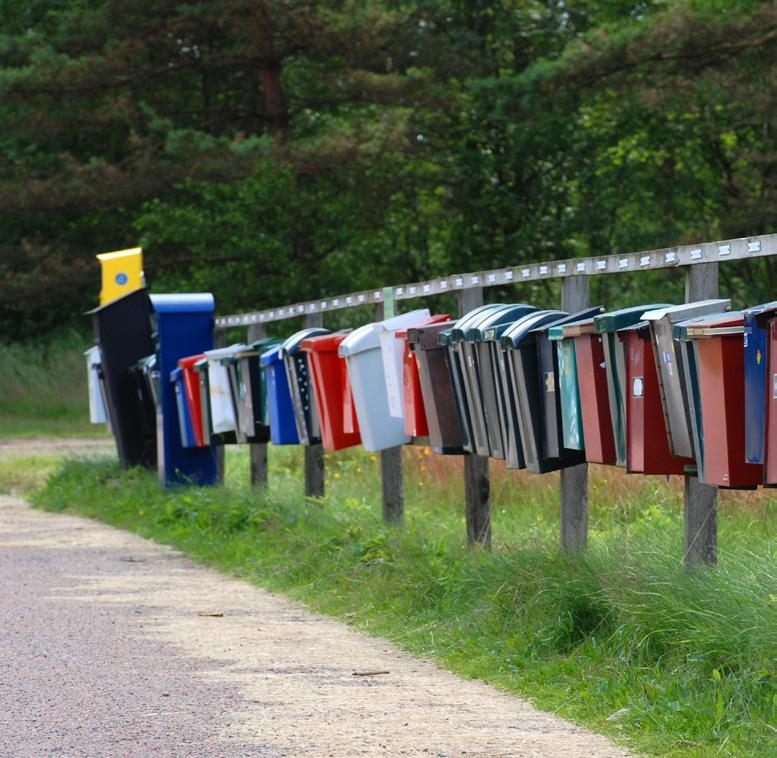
122	273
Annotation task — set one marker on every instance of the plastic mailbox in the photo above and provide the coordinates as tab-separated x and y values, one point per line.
647	443
434	375
756	342
300	385
363	354
593	401
416	424
481	353
332	391
122	273
209	437
185	424
607	324
184	327
123	333
280	409
191	384
569	391
719	350
97	413
392	356
521	410
770	449
671	374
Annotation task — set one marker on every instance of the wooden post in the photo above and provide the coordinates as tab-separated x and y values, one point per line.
258	450
391	471
219	340
314	454
701	500
574	480
477	486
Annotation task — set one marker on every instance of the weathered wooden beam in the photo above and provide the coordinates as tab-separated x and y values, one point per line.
574	480
391	469
701	500
477	486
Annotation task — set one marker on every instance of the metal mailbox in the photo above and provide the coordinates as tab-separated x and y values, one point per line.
607	324
416	424
222	423
184	327
451	339
484	387
593	400
280	409
191	385
719	348
671	375
756	342
568	389
300	385
123	332
332	391
363	352
520	409
434	375
646	440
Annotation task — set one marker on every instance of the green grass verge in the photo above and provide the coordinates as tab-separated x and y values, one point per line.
621	639
43	389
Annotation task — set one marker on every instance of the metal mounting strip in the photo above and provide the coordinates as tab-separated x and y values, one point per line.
683	255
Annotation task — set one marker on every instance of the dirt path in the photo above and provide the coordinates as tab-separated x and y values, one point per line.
65	446
107	650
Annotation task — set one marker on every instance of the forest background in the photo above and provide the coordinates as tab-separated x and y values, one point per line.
271	151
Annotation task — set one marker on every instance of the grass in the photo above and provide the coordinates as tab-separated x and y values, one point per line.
43	389
622	639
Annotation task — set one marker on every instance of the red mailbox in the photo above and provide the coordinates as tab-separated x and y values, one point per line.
191	383
720	358
647	441
594	397
415	414
332	391
770	459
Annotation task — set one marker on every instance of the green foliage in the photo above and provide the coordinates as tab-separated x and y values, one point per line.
273	151
623	638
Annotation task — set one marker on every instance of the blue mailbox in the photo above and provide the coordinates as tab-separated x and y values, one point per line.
185	422
756	376
184	326
283	427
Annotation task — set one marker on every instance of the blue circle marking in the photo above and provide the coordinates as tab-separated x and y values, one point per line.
121	279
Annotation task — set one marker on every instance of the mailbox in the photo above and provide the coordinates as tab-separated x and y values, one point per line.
97	413
332	391
184	326
283	427
756	342
568	389
434	374
719	348
185	424
481	357
671	374
520	396
647	443
191	385
218	409
123	332
122	273
607	325
300	385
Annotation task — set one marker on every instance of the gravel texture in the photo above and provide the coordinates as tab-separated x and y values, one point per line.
107	650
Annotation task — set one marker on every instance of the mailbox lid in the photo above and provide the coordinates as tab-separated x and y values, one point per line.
612	321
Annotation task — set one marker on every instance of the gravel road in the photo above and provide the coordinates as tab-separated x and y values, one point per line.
108	650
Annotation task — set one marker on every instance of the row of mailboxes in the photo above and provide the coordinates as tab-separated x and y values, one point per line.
657	389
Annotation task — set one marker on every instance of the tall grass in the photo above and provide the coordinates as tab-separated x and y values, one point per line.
43	388
622	638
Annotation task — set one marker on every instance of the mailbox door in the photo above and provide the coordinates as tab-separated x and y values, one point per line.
594	399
